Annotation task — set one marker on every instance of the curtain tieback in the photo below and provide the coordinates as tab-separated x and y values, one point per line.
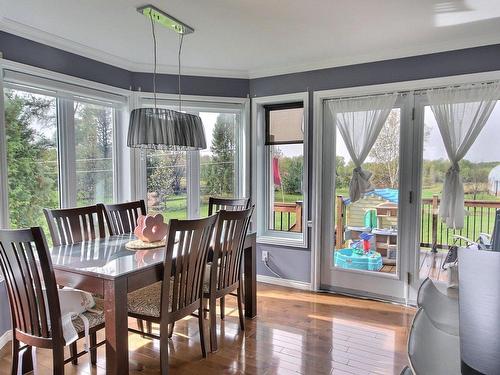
360	183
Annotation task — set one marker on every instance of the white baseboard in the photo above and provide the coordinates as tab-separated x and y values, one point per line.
284	282
5	338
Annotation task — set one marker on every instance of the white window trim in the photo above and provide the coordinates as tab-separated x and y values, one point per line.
259	168
193	158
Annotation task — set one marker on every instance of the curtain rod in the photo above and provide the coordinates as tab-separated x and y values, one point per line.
417	91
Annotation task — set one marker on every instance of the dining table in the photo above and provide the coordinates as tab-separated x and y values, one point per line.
106	267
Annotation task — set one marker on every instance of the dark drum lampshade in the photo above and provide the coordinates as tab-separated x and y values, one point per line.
165	129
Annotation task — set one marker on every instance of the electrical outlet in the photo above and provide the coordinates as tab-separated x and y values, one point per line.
265	256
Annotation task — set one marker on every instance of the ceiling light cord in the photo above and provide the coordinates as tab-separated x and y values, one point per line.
154	57
181	39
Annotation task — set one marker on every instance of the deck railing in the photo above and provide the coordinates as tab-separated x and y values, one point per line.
480	218
287	217
434	233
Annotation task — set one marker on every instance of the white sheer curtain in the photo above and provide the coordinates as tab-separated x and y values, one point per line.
360	121
461	114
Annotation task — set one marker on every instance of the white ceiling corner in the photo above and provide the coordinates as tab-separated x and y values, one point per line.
249	39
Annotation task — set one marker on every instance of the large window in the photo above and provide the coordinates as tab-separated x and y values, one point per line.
179	184
59	147
285	166
32	156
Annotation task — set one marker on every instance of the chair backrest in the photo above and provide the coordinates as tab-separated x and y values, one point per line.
230	234
122	217
28	272
73	225
228	204
190	240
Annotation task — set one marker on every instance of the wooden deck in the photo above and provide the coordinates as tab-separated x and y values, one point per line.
430	266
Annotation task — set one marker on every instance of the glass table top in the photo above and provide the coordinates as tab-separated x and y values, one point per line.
107	257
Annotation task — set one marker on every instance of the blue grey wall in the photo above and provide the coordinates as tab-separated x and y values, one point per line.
465	61
289	262
28	52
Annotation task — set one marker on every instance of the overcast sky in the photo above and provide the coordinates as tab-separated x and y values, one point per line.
486	147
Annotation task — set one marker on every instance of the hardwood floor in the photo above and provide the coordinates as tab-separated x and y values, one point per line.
296	332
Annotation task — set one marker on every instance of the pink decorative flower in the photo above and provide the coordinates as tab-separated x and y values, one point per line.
151	228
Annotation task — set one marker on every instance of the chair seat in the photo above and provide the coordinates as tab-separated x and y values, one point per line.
147	301
95	318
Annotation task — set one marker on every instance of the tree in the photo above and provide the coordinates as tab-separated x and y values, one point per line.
219	173
31	156
94	144
292	174
385	153
165	171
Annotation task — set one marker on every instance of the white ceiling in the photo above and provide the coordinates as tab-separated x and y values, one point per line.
252	38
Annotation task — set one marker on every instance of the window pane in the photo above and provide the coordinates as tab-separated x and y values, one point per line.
167	183
217	162
376	212
480	172
286	172
32	160
94	153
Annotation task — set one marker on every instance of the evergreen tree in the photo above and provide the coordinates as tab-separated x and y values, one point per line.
31	156
220	172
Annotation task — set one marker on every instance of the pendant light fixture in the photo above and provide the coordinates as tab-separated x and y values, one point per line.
161	128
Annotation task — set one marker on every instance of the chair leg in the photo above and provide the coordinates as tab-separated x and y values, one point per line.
213	325
222	307
171	330
140	325
149	327
73	351
15	357
163	351
58	360
239	292
205	308
25	359
201	325
93	352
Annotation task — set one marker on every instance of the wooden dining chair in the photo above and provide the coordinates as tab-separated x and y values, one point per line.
73	225
180	294
223	274
228	204
29	276
122	217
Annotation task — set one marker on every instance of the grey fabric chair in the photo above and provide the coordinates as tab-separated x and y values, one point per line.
432	351
441	309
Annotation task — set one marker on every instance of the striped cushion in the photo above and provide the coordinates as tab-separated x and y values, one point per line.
95	318
147	300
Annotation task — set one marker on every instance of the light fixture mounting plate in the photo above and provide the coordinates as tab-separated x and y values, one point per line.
165	19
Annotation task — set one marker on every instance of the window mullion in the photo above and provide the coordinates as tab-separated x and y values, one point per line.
67	151
4	195
193	186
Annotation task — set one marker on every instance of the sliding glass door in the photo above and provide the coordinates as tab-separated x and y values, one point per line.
384	242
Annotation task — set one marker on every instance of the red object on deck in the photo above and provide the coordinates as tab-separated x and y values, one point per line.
276	171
